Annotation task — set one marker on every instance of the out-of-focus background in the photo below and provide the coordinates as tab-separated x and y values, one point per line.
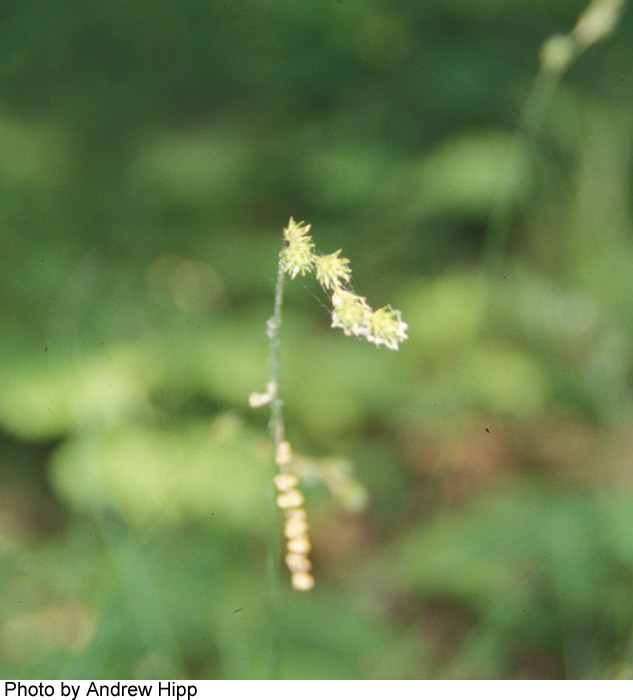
470	496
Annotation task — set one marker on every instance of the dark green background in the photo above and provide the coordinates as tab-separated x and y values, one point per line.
150	155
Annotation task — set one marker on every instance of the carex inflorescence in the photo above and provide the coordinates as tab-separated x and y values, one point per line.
355	317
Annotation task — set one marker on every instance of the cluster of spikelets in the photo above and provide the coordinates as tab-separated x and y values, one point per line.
290	500
350	312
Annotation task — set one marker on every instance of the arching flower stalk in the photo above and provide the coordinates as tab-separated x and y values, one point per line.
352	314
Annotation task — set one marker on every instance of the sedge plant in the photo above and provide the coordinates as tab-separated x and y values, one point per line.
354	316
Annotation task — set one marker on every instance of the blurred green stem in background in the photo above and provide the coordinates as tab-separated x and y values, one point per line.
557	55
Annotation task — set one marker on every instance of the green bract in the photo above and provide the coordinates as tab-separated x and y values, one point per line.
331	270
297	257
350	312
387	328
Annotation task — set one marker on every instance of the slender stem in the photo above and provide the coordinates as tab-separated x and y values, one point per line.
500	222
277	430
276	425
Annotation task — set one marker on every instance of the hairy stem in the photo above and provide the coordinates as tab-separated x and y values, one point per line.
277	431
276	426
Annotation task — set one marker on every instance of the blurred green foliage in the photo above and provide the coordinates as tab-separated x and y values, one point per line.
150	154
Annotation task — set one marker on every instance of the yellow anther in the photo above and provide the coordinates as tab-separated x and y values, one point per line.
302	581
290	499
297	562
299	545
284	454
285	482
